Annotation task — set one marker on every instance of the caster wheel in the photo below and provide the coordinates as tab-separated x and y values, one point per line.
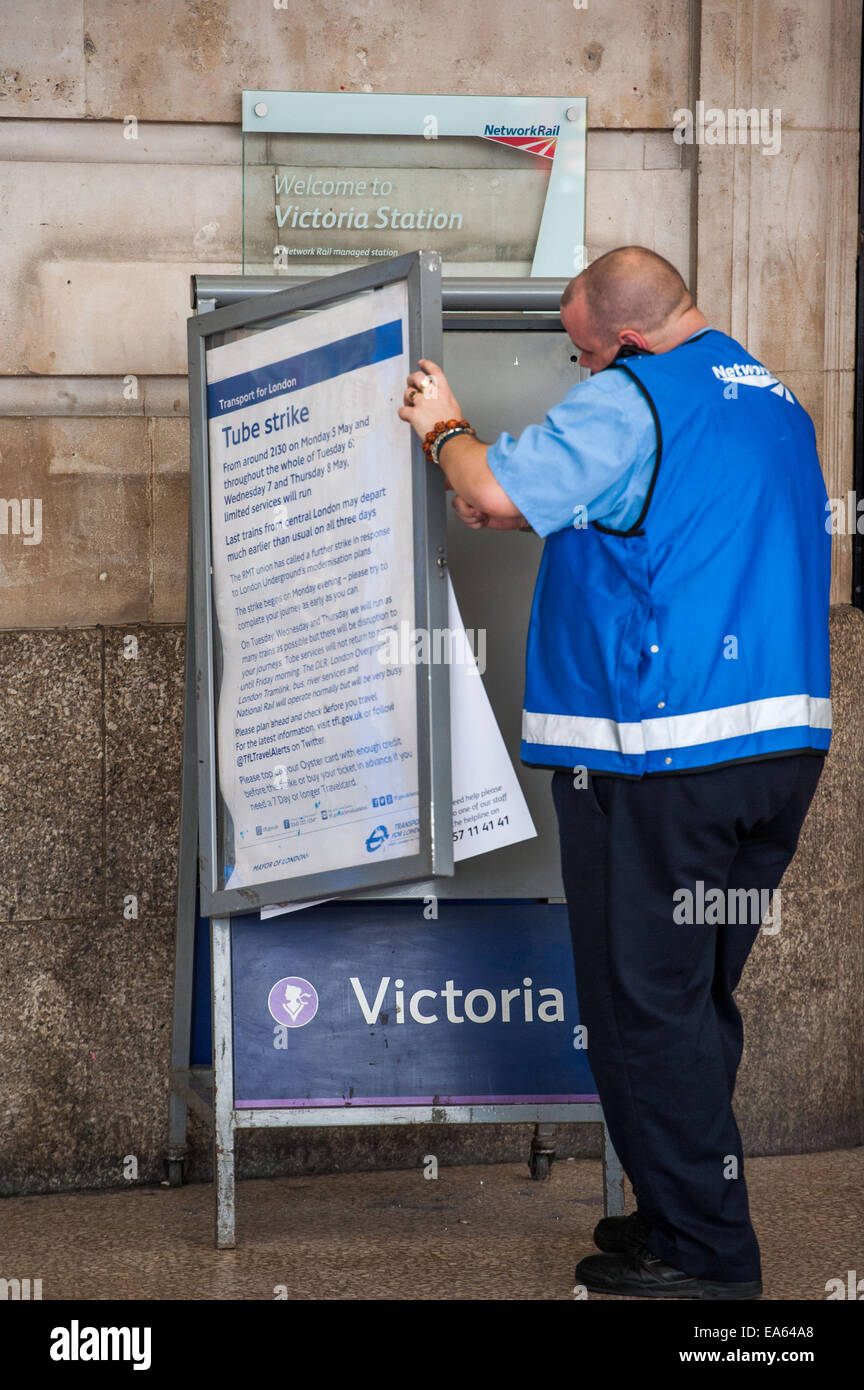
540	1166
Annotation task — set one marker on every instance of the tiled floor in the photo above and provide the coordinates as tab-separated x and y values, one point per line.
472	1233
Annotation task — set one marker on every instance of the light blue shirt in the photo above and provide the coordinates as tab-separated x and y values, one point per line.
595	450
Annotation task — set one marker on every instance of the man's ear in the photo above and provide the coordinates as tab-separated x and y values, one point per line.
631	344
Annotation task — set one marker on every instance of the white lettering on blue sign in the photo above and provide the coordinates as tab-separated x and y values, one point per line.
480	1005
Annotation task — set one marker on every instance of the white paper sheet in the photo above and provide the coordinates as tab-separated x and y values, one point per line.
489	808
312	545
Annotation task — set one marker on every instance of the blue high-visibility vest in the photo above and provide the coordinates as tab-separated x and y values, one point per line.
700	635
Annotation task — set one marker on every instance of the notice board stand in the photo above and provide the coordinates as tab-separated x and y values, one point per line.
210	1090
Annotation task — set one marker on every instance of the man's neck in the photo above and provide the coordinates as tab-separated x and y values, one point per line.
672	335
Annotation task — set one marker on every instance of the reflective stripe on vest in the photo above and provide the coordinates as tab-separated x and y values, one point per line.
678	731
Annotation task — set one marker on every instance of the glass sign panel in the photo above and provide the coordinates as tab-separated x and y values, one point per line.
496	185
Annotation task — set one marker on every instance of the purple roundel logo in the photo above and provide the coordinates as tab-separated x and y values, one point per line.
293	1001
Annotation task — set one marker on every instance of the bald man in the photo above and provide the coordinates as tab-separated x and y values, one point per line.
677	683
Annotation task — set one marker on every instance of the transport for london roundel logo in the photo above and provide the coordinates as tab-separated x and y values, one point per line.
377	838
293	1001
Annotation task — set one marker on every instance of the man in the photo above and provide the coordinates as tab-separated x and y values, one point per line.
677	681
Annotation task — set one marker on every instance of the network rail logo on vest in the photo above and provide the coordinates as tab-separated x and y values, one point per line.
750	374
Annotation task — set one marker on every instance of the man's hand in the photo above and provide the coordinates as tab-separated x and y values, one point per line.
477	520
462	458
428	399
472	516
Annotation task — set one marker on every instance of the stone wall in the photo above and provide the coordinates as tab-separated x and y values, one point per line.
98	236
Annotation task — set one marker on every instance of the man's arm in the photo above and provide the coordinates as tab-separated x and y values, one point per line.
462	458
592	459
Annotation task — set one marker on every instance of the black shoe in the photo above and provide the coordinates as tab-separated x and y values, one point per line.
640	1274
617	1235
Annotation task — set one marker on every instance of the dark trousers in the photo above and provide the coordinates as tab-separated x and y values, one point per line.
664	1034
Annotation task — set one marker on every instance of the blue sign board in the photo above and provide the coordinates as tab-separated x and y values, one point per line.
370	1003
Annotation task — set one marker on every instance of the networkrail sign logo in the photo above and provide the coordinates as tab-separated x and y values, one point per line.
533	139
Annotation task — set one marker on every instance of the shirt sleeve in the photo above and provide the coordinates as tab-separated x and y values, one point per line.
596	450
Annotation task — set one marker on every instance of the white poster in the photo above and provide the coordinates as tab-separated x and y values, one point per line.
313	584
312	557
489	807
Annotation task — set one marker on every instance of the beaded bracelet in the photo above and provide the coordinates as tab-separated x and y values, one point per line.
448	434
439	428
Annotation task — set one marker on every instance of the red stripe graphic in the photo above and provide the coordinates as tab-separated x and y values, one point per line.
532	144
